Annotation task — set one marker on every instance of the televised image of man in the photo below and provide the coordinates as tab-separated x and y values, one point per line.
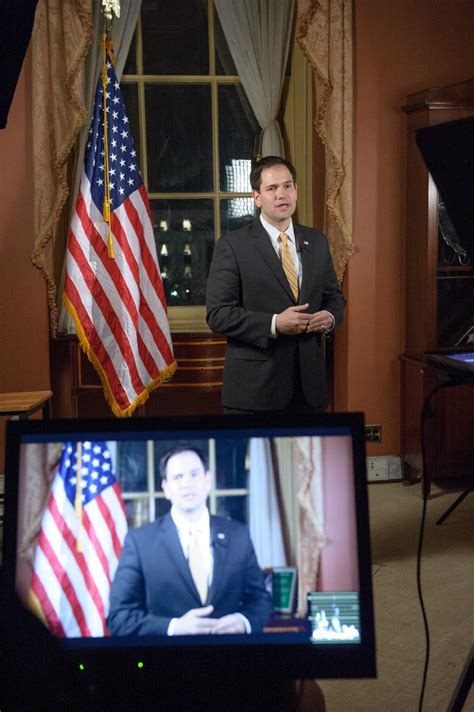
189	572
272	291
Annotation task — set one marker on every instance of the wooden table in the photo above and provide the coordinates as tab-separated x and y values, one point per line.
22	404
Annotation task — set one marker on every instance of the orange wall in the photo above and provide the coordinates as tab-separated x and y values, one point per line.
400	47
24	322
24	355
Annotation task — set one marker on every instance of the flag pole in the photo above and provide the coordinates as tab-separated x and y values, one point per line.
109	7
106	42
106	206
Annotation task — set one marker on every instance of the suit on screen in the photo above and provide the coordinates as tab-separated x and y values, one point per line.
153	583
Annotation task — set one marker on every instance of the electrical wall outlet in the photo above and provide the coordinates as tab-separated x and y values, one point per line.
377	469
373	433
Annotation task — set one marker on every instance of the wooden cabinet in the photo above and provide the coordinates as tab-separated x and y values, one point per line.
439	309
194	390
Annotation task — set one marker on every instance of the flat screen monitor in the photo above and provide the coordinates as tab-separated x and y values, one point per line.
457	365
92	546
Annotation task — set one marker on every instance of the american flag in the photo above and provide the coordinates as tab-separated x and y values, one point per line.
117	302
81	537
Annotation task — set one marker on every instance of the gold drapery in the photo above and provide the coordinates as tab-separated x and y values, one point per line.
324	32
310	528
61	37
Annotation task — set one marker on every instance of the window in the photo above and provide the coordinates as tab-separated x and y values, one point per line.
196	135
139	477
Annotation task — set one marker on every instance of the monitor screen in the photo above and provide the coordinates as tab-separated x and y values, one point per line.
153	541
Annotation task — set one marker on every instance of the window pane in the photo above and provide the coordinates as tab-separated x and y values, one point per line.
131	62
138	512
235	213
230	464
179	128
175	37
233	507
184	233
160	447
238	139
130	99
224	62
132	466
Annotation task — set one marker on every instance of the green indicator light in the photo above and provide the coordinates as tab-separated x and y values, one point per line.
82	666
140	664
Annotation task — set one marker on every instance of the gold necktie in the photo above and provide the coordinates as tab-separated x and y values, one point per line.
196	562
288	264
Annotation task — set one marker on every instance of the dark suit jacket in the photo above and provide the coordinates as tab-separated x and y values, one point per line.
153	583
246	286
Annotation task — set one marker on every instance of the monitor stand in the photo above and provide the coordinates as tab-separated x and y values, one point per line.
464	684
456	373
454	506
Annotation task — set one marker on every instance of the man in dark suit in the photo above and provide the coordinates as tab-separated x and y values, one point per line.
188	572
273	292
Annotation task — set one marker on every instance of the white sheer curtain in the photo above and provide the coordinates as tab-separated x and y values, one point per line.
123	29
258	34
265	522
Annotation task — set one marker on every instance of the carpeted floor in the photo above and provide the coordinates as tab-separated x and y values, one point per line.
448	590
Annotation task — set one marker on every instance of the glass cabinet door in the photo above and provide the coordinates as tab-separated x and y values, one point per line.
455	322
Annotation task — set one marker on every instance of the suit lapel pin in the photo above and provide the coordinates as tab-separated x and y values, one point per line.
220	535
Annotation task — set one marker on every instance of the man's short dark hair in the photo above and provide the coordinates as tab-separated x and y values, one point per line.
183	447
268	162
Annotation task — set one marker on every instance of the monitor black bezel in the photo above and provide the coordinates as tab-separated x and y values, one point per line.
294	661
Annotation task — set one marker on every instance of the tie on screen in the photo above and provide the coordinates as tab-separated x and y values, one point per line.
288	264
196	562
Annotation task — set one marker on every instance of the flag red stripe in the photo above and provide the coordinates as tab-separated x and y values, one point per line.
105	511
118	279
100	247
148	260
146	203
66	584
96	345
89	527
54	623
103	303
70	540
145	311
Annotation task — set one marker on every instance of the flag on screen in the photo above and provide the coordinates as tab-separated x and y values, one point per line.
113	288
81	537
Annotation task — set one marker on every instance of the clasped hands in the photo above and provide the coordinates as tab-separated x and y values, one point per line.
296	320
197	622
